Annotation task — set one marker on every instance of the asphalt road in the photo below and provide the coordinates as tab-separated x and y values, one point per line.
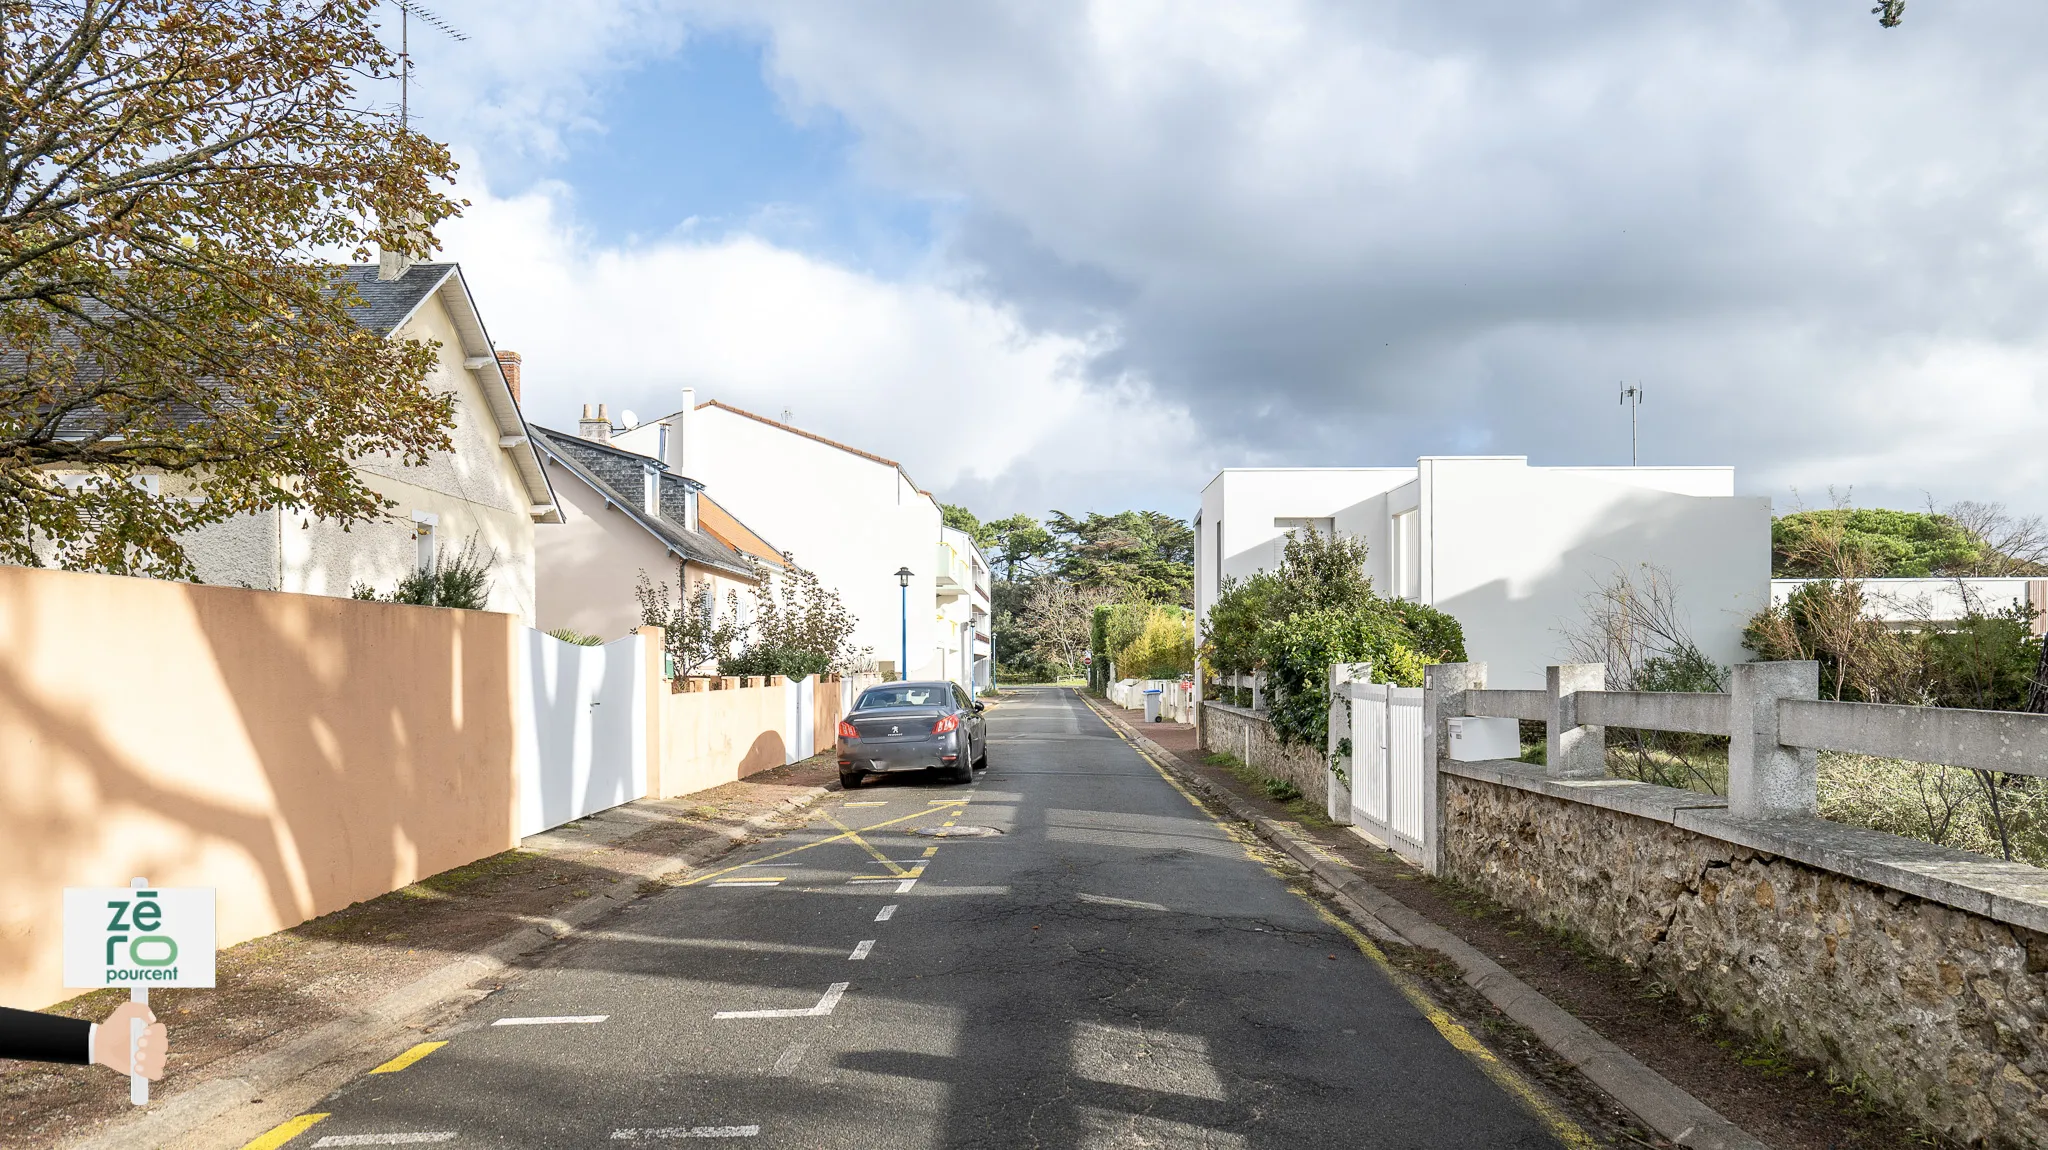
1113	969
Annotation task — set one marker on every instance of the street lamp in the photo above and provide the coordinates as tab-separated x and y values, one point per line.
903	582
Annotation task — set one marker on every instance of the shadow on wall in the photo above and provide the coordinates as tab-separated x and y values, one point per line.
299	753
1517	626
768	750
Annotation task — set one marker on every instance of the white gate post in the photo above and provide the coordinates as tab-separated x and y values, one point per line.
1766	779
1338	787
1571	751
1443	698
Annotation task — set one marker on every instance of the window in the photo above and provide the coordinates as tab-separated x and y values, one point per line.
1325	526
902	695
1219	556
1407	539
423	524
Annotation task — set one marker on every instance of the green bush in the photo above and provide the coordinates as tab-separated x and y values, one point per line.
461	580
568	635
1163	646
1298	651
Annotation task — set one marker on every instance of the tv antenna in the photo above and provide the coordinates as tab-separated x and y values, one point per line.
406	10
1632	395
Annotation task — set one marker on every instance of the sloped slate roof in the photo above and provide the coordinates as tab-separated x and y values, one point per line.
604	468
388	303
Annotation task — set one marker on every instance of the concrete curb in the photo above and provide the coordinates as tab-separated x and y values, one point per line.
1655	1100
387	1018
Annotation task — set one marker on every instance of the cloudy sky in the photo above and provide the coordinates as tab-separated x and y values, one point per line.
1052	253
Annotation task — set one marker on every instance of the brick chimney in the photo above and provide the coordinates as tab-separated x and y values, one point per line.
597	427
508	362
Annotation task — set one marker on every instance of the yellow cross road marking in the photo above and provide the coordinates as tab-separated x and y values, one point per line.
1503	1075
807	846
408	1058
930	851
865	845
946	802
278	1135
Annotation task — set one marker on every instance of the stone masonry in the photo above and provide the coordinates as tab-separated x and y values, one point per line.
1935	1011
1248	735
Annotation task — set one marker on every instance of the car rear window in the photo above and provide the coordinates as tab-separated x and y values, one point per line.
909	695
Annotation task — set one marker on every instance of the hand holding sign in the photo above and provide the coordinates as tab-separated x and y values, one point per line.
139	937
110	1042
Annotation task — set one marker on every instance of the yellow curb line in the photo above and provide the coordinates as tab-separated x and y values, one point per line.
284	1132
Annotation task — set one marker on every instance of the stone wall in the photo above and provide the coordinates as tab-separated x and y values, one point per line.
1938	1012
1250	736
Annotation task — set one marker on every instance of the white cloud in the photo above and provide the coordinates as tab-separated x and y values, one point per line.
974	404
1341	232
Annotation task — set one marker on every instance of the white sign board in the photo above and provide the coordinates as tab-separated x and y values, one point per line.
147	938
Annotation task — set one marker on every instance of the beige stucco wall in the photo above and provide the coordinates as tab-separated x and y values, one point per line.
298	753
473	490
587	567
714	737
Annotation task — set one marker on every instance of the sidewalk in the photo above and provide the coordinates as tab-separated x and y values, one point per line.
1784	1104
276	990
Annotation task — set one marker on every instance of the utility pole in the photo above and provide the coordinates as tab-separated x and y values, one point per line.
1632	395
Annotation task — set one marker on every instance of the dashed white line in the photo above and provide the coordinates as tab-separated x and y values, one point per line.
687	1132
860	952
824	1007
886	913
386	1138
1131	903
904	886
553	1020
786	1065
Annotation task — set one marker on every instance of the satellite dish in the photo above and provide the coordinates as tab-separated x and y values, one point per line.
632	421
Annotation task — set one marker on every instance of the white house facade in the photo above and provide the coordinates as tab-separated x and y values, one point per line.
852	517
490	488
1512	551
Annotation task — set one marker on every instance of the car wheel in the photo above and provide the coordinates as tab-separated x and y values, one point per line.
848	780
981	764
963	773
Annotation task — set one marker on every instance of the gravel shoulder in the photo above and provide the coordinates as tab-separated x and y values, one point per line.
274	989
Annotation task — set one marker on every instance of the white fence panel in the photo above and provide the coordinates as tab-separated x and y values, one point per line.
582	728
1407	770
1369	753
1389	774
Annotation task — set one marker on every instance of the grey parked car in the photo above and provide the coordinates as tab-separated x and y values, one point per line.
912	727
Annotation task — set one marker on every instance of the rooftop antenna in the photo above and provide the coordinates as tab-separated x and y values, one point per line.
406	10
1632	394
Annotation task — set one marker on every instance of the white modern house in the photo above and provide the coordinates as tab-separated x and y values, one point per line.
1910	602
1511	550
853	517
965	604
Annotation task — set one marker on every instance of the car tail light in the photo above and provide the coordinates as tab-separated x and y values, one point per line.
949	723
846	730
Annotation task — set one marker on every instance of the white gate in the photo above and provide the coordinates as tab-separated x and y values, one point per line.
582	715
1388	776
